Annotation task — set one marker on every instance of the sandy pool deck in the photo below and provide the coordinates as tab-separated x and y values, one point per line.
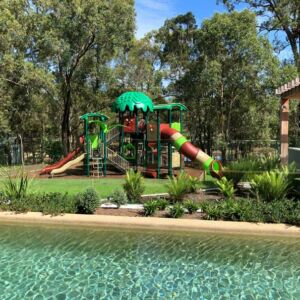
151	223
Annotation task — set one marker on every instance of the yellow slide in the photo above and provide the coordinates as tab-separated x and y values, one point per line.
68	165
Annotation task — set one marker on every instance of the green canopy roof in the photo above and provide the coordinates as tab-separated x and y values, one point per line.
133	100
97	115
170	106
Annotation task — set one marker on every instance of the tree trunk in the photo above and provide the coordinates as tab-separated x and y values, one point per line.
65	125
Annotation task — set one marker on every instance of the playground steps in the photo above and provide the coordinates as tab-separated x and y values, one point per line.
112	135
117	160
97	167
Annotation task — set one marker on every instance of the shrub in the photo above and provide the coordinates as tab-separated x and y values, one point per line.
226	187
178	187
176	211
269	163
134	185
87	202
238	170
150	207
52	203
191	206
119	197
271	185
193	183
162	204
47	203
247	168
281	211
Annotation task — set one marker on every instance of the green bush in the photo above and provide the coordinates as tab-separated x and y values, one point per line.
52	203
119	197
178	187
150	207
191	206
226	187
271	185
245	169
162	204
193	183
249	210
87	202
134	185
238	170
47	203
176	211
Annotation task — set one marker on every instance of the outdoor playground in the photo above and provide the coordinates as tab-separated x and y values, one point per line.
148	145
148	138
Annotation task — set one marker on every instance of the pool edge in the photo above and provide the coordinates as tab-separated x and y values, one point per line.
153	223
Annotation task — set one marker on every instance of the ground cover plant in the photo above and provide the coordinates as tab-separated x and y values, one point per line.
176	211
53	203
250	210
190	206
150	207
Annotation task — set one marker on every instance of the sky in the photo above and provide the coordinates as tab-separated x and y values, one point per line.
151	14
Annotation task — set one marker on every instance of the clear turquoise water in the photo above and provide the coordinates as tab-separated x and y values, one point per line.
66	263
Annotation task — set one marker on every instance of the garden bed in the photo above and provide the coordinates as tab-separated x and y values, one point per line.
140	213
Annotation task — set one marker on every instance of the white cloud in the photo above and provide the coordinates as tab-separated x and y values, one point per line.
151	14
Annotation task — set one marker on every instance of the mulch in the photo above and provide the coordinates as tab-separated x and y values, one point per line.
139	213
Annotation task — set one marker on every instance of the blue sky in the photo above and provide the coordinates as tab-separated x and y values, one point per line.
151	14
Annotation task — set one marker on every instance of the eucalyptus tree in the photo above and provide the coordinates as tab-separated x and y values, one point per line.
228	81
71	35
277	16
139	69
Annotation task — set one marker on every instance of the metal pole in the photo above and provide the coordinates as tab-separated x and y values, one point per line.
87	145
158	143
105	155
170	169
181	130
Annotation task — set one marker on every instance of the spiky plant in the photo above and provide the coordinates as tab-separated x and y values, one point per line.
134	185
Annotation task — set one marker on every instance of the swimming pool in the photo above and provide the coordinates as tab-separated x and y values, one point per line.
84	263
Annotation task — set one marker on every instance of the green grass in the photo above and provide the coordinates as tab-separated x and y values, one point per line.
104	186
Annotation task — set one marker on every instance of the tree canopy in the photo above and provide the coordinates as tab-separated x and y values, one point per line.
62	59
275	16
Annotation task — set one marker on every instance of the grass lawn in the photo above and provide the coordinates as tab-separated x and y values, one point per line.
103	186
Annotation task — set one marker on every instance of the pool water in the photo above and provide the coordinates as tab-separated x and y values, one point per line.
73	263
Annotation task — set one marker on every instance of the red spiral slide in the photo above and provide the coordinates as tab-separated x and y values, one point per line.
70	156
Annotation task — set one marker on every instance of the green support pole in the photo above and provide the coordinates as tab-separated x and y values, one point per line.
105	155
87	141
158	144
122	138
181	130
170	169
146	141
136	142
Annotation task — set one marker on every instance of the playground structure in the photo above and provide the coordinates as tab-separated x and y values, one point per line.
148	138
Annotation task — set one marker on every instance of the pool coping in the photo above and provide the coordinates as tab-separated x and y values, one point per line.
153	223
